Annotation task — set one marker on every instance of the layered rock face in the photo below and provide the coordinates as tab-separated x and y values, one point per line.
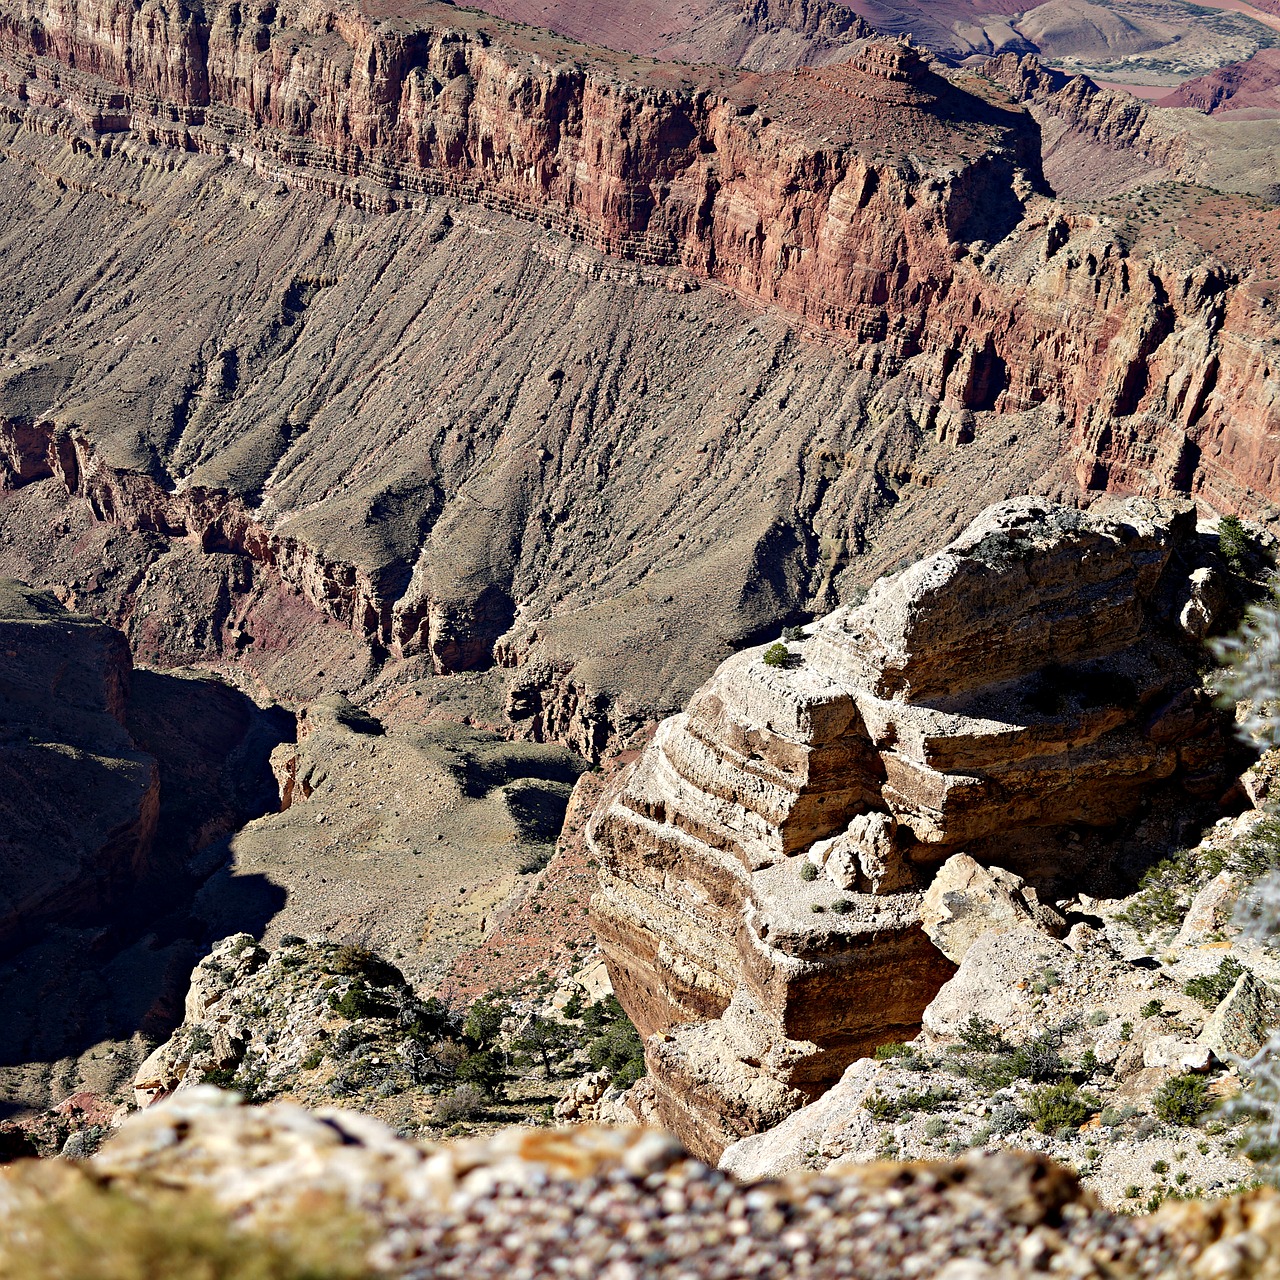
762	861
904	212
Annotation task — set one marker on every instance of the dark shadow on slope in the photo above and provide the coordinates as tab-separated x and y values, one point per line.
119	970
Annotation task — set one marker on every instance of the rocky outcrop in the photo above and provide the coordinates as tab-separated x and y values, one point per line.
79	801
1253	85
1023	684
345	1194
966	900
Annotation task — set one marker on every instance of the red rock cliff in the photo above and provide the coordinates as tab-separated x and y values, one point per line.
876	200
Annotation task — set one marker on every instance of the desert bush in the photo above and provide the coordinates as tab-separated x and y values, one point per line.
1182	1100
778	655
466	1102
359	1002
892	1049
1007	1118
360	962
808	870
1037	1061
1055	1107
978	1036
536	862
906	1103
1212	988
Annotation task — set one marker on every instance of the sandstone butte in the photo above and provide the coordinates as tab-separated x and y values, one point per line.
903	213
1028	685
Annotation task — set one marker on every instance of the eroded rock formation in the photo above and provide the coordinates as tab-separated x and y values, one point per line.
1026	682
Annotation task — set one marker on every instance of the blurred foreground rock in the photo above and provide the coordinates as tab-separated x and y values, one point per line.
624	1202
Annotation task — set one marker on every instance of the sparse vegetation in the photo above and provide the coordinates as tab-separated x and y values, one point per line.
808	870
1235	542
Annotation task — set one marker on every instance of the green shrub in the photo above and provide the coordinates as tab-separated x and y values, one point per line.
619	1051
1182	1099
359	1002
1038	1061
1056	1107
1234	542
778	655
817	908
935	1127
905	1104
1212	988
484	1070
1152	1009
808	870
312	1060
842	906
977	1036
878	1107
893	1049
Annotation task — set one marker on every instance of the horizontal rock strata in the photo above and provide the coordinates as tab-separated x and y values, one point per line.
762	862
901	210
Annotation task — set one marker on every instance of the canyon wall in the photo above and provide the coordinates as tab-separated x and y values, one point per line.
900	216
762	862
850	197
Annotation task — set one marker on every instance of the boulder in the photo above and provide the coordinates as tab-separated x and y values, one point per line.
866	856
995	980
1211	909
967	900
1242	1023
1173	1051
1207	603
